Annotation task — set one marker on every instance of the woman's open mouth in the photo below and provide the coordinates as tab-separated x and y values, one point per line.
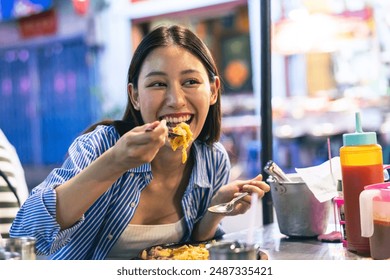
172	121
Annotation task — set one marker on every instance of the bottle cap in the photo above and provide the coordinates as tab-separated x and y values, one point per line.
359	137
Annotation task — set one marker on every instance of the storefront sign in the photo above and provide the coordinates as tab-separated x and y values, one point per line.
37	25
14	9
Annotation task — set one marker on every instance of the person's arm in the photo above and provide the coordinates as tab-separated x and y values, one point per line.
75	196
206	228
136	147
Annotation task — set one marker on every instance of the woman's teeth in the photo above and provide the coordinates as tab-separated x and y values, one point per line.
178	119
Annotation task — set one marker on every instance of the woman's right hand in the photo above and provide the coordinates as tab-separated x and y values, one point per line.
140	145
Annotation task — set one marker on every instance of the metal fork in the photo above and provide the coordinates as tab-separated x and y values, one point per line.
173	134
170	132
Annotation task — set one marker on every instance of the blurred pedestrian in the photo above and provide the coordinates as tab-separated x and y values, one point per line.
13	186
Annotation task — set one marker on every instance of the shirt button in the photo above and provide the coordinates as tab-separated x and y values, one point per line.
132	204
110	236
131	175
188	213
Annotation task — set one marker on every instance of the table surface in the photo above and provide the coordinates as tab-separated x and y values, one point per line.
278	246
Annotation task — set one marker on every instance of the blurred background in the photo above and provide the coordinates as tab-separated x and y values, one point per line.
63	66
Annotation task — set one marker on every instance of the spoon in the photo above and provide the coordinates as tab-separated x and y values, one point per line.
227	207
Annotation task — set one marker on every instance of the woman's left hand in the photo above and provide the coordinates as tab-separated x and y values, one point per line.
233	189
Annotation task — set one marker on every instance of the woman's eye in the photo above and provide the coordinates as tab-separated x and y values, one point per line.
157	84
191	82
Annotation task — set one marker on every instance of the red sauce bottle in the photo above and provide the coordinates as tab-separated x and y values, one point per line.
361	165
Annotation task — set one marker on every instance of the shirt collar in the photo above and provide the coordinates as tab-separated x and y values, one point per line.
199	174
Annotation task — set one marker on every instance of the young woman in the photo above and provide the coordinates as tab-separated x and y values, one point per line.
122	187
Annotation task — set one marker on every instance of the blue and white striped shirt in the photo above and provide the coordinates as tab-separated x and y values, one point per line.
95	233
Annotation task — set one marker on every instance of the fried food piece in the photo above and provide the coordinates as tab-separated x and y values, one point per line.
183	140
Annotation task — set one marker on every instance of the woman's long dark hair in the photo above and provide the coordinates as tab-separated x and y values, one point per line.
186	39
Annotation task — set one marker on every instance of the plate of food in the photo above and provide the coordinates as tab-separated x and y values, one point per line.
184	251
176	251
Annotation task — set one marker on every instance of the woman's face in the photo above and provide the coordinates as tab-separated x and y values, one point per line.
173	85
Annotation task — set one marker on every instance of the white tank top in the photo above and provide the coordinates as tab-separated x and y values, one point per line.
138	237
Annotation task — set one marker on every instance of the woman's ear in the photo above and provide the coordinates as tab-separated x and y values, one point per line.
214	90
133	94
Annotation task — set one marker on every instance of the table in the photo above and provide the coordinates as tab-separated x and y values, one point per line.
281	247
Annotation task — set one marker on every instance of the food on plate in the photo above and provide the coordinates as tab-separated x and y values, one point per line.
183	140
183	252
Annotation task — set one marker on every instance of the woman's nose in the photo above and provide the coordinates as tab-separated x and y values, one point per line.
175	96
